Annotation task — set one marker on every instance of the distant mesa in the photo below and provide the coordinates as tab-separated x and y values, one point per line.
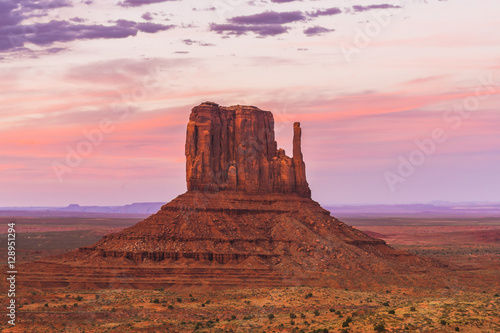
135	208
247	219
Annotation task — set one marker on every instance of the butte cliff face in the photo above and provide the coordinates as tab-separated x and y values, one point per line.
246	219
233	149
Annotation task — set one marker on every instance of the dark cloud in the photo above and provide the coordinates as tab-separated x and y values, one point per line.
62	31
370	7
268	23
153	27
9	15
137	3
261	30
124	23
147	16
195	42
14	35
12	12
53	50
44	4
23	52
45	34
269	17
325	12
316	30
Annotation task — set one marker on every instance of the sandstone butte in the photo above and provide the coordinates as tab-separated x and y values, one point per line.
247	219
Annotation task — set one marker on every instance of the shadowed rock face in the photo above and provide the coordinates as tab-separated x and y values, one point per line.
233	148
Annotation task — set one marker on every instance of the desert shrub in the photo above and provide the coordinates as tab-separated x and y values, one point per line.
443	322
309	295
293	315
202	305
198	326
348	320
79	298
379	328
270	316
170	307
292	322
233	317
392	312
179	300
457	329
46	305
316	312
496	295
345	324
385	303
338	312
156	300
303	316
332	310
413	309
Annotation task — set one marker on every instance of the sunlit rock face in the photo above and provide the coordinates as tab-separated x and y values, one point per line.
233	148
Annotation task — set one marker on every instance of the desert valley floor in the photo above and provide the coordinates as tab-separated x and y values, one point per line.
470	303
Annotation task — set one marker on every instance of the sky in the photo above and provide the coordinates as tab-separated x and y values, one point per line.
398	100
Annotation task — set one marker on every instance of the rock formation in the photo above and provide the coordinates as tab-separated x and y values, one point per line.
247	218
233	149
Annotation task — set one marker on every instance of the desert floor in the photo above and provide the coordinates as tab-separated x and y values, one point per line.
472	245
